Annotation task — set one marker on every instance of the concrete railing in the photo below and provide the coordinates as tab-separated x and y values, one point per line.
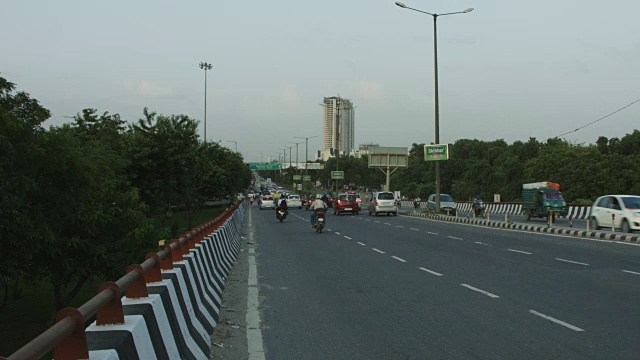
171	307
512	208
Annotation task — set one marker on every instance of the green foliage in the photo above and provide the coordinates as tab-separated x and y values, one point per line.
81	201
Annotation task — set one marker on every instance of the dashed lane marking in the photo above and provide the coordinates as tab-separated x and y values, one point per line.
430	271
455	238
631	272
432	233
481	291
560	322
399	259
572	262
346	237
380	251
363	244
481	243
520	251
414	229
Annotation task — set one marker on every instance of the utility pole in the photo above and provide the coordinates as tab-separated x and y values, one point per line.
307	150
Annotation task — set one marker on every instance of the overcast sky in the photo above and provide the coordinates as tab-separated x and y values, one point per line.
508	70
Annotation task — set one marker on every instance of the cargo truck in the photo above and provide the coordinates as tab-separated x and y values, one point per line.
543	199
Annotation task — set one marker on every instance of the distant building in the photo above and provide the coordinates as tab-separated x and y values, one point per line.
363	149
338	127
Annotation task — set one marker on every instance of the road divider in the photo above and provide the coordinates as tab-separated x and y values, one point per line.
601	235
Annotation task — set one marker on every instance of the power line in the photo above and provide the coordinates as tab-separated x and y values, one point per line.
602	118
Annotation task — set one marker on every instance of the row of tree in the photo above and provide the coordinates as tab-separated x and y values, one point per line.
84	199
611	166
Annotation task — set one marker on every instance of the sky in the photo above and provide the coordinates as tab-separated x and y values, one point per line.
507	70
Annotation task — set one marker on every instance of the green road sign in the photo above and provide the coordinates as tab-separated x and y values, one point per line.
337	175
436	152
306	178
297	177
264	166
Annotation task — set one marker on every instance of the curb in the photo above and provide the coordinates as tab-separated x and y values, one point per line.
530	228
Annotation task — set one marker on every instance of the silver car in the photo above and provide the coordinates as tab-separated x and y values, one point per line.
294	201
383	202
447	205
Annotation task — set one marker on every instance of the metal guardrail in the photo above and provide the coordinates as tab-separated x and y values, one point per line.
67	336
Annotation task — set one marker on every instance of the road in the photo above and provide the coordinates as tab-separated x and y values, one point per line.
409	288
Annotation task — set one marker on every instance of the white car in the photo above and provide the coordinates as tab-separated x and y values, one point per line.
294	201
618	211
266	202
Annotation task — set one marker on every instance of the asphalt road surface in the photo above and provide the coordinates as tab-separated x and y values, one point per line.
409	288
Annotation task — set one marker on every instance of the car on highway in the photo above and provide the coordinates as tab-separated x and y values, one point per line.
293	200
346	203
267	202
447	205
383	202
617	211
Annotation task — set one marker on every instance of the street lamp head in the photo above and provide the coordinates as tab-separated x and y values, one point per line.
401	4
205	66
468	10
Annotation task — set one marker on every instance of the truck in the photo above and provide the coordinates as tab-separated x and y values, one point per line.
543	200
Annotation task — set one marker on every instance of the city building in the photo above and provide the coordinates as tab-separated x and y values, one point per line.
338	127
363	149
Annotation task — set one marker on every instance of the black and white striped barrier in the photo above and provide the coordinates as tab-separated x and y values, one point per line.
534	228
575	211
178	317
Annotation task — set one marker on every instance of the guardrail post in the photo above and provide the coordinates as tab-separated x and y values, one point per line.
138	289
112	312
570	222
588	224
75	345
155	273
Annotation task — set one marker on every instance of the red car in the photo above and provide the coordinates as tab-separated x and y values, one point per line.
346	203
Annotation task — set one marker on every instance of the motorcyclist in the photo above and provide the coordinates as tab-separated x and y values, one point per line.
476	204
282	206
318	204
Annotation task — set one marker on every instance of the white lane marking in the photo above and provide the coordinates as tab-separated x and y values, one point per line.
414	229
573	262
346	237
430	271
631	272
520	251
253	251
432	233
363	244
399	259
380	251
368	219
453	237
481	243
387	224
481	291
329	230
337	233
254	333
575	328
376	221
400	226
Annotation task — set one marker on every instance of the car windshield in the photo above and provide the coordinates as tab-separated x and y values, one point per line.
294	197
386	196
445	198
347	197
631	202
553	196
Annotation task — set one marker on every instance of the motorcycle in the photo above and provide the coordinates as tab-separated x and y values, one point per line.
319	224
478	208
281	214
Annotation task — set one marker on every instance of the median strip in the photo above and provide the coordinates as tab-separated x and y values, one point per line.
399	259
520	251
430	271
560	322
481	291
573	262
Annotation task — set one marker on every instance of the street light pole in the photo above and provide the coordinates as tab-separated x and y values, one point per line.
235	142
297	164
205	66
307	151
437	102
